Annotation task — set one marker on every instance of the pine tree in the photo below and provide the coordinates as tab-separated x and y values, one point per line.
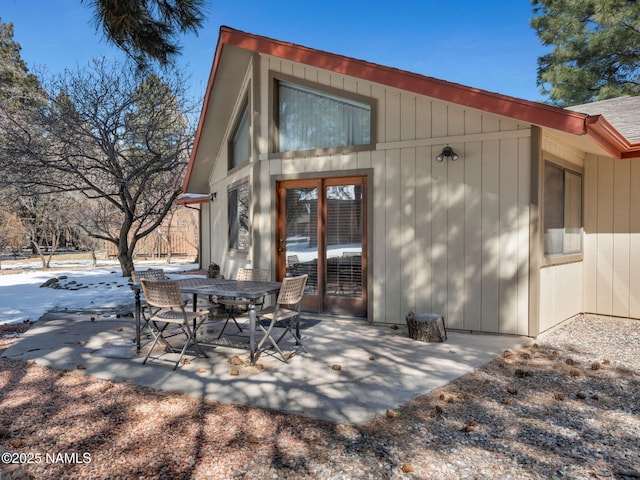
146	30
595	49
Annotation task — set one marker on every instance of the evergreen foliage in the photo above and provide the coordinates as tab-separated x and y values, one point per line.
595	49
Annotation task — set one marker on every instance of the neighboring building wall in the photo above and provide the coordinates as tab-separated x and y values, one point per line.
449	237
612	237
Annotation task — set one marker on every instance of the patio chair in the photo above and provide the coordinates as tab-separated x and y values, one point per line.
150	274
167	309
236	305
286	313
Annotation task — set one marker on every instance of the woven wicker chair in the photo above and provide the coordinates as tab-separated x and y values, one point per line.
285	314
236	305
167	308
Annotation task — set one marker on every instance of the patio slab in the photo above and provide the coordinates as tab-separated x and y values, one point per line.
380	368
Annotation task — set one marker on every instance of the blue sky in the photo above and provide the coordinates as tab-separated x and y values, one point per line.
488	45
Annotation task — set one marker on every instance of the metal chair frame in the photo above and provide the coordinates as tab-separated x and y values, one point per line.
167	308
286	312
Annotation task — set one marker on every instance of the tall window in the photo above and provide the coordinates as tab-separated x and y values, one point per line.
562	210
309	119
240	146
239	218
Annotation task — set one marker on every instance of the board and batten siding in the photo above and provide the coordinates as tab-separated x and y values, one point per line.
450	237
612	236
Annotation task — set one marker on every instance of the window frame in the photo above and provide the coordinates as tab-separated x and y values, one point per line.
233	239
275	78
240	115
551	259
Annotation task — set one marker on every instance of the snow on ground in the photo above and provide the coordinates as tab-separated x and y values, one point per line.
22	298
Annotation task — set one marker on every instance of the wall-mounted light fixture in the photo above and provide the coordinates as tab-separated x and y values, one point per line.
213	196
447	152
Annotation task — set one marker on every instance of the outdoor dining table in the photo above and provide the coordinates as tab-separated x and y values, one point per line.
251	290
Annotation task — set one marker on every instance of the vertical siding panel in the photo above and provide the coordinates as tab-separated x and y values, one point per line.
364	159
621	218
590	235
424	270
423	118
604	287
407	117
473	224
455	224
392	117
439	211
490	234
393	236
439	233
524	220
407	230
438	121
508	213
473	236
378	196
378	93
634	240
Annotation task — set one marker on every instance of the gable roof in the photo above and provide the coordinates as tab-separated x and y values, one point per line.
243	45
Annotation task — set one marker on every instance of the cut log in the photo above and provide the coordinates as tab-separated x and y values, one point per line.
426	327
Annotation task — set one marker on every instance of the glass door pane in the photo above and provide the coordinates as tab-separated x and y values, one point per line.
344	240
302	235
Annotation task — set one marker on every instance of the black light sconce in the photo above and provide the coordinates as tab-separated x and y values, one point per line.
447	152
213	196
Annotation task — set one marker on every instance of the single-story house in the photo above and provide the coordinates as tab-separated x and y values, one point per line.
396	191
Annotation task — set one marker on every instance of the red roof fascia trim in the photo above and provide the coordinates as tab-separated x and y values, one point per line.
609	138
531	112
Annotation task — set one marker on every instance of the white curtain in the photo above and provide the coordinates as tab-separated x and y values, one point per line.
309	119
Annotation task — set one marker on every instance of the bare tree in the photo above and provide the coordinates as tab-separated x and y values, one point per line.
12	232
121	138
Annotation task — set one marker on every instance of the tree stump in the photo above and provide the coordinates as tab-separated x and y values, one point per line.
426	327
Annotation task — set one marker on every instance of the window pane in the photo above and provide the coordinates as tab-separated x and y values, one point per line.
240	145
553	209
562	210
573	213
308	119
239	218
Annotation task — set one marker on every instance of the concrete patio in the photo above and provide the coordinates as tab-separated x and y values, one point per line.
380	368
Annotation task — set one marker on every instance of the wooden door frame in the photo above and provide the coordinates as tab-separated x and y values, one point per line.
340	305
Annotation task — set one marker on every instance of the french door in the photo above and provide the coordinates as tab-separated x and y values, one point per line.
321	231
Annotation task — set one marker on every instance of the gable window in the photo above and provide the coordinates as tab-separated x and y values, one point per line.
239	218
240	142
562	210
309	119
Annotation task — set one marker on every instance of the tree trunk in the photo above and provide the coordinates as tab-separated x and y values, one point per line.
38	252
126	263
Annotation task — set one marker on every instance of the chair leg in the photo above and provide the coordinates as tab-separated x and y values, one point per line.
187	330
274	343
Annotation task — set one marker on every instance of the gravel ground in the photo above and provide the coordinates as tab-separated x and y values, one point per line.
568	406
